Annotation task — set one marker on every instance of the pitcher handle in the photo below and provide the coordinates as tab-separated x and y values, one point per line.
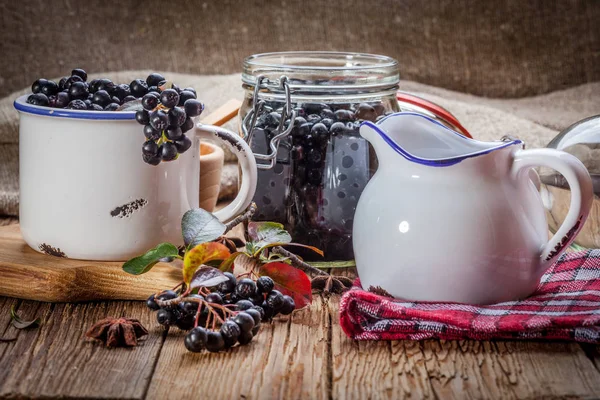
247	162
580	183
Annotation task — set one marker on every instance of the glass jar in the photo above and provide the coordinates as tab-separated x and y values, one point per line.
300	115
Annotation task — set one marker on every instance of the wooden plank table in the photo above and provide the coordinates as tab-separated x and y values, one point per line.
305	355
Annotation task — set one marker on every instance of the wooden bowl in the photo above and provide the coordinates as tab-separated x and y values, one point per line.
211	165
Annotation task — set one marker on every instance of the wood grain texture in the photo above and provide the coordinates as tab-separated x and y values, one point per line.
458	369
57	361
287	360
28	274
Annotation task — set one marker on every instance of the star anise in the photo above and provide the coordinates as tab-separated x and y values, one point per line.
328	284
117	332
232	243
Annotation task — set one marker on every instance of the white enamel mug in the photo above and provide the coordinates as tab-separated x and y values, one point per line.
87	194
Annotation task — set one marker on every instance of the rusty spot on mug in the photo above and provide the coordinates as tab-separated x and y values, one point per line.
229	139
127	209
51	251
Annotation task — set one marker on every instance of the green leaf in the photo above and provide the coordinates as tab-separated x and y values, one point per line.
200	226
144	263
19	323
265	233
200	254
207	277
289	280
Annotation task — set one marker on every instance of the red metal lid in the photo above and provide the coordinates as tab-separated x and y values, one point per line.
411	102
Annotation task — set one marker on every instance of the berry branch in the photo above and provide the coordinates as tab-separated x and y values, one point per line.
297	262
246	216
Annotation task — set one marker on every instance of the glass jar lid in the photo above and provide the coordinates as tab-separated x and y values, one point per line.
323	71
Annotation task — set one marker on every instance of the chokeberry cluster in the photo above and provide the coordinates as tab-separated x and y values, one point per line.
167	116
232	313
167	110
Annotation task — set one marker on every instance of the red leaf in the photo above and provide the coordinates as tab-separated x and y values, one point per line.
290	281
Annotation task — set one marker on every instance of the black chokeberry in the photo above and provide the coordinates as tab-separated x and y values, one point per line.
269	313
245	288
265	284
185	322
61	83
77	105
313	118
187	125
327	114
150	101
177	116
193	107
173	133
138	87
344	115
71	80
228	285
129	98
255	314
245	321
191	307
78	91
183	144
214	298
49	88
159	120
185	95
37	85
38	99
257	299
151	303
152	160
80	73
121	91
95	107
105	84
243	305
275	299
111	107
230	330
260	310
337	128
166	317
169	98
167	295
154	79
288	305
101	97
168	151
214	342
142	117
150	148
115	99
151	133
195	340
245	338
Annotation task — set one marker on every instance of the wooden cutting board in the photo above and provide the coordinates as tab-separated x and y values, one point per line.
27	274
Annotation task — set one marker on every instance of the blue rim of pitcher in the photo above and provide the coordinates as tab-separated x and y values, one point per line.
20	104
443	162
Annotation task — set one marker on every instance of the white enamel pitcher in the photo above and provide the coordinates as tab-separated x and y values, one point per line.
448	218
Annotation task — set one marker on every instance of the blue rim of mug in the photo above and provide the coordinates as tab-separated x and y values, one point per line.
21	105
432	162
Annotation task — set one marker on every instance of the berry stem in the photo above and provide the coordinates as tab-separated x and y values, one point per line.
246	216
297	262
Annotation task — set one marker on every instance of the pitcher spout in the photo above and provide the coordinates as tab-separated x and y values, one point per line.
423	140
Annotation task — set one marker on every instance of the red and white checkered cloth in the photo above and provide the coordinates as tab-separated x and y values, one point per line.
566	306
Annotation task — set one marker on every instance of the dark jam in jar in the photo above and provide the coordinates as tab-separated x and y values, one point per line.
323	165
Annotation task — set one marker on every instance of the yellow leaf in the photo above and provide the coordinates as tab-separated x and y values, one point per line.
201	254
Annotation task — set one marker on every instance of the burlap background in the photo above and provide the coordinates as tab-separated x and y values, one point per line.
499	48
